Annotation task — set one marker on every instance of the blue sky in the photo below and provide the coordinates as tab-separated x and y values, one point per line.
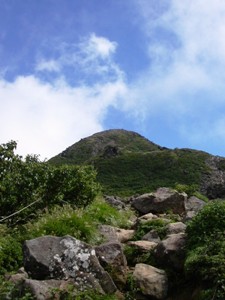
71	68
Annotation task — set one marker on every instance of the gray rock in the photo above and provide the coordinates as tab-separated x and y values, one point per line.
116	234
163	200
44	289
51	257
177	227
151	236
115	202
143	246
153	282
192	206
171	251
112	258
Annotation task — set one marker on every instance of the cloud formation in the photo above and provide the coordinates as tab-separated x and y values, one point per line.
186	71
40	114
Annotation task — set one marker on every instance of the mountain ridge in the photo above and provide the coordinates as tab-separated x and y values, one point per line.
128	163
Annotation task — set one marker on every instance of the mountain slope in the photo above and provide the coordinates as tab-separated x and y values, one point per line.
128	164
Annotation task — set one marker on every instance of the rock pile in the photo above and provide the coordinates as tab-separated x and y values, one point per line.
58	262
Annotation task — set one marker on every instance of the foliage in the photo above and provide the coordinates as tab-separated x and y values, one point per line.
136	173
81	223
158	225
30	181
71	293
191	190
206	250
8	291
10	251
135	256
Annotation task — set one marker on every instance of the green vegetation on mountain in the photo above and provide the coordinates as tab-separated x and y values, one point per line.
128	164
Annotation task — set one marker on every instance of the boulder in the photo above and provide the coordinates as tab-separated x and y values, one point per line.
152	236
152	282
112	258
115	202
163	200
192	206
111	233
50	257
176	227
171	251
143	246
46	289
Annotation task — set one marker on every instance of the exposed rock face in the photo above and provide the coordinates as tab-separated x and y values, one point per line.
51	257
170	252
164	199
112	258
152	281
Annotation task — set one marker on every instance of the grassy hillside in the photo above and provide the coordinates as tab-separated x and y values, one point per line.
128	164
133	173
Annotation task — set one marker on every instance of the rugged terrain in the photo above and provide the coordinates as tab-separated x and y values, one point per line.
128	164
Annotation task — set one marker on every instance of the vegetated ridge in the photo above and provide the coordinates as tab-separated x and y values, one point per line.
128	164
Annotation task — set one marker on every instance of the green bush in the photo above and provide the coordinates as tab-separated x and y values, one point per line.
35	185
10	254
206	250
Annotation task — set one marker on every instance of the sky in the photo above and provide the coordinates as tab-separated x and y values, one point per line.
71	68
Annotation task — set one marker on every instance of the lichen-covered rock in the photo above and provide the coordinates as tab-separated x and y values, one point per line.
171	251
163	200
50	257
112	258
152	282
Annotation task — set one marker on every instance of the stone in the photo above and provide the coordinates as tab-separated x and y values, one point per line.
163	200
176	227
44	289
192	206
115	202
152	281
152	236
112	258
111	233
171	251
143	246
50	257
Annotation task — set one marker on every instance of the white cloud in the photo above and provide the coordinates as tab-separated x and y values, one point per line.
46	117
98	46
186	71
48	65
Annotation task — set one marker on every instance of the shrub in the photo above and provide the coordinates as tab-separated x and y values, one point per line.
35	185
206	250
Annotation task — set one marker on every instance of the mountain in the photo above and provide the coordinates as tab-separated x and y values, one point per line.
128	164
